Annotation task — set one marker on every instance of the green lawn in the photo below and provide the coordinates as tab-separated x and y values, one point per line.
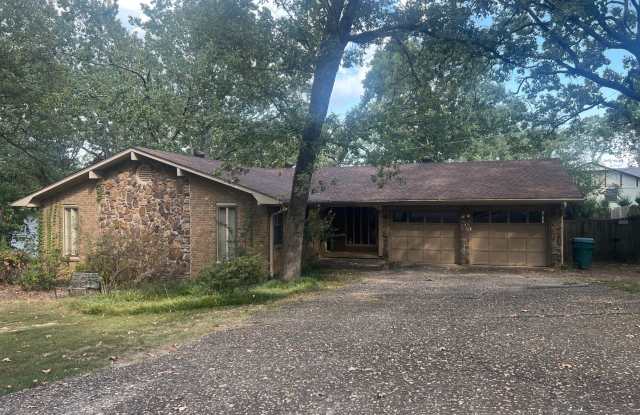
45	340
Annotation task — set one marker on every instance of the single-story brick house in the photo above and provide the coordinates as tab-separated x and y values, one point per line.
480	212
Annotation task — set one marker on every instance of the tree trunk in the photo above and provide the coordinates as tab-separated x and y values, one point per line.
327	65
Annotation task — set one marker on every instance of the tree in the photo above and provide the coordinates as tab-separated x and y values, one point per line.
438	100
325	29
571	54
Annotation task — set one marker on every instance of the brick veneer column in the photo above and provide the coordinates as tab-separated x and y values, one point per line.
465	237
555	223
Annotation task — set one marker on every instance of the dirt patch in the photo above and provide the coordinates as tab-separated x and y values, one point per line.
15	292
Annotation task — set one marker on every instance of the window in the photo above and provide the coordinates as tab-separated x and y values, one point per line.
425	216
70	232
417	217
278	229
509	216
536	216
481	216
399	216
227	235
518	216
499	216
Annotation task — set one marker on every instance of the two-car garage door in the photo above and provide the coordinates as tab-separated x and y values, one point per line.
415	239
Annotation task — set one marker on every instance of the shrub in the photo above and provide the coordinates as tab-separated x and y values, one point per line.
44	273
12	264
638	200
624	201
127	258
242	271
634	211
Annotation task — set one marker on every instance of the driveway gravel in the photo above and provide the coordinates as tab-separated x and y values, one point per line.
422	341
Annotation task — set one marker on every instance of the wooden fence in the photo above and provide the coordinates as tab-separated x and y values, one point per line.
615	239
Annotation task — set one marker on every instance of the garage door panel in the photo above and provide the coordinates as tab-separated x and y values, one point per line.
537	245
509	244
414	242
415	256
498	257
423	243
448	257
448	244
480	257
517	244
479	243
517	258
537	259
432	257
432	244
498	244
480	231
398	255
398	242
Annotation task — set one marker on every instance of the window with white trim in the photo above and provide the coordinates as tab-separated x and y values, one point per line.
227	232
70	231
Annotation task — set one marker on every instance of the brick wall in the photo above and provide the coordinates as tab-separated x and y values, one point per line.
83	197
252	222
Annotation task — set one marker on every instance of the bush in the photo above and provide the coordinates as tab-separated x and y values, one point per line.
44	273
638	200
125	259
12	264
634	211
239	272
624	201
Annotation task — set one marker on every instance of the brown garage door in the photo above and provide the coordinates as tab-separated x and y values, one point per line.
523	244
423	243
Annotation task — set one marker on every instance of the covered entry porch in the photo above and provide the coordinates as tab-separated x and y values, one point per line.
354	232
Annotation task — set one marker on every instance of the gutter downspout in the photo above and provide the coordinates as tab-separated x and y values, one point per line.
271	244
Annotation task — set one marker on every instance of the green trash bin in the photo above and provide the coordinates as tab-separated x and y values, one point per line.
582	252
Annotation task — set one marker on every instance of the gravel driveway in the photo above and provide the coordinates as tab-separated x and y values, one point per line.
410	342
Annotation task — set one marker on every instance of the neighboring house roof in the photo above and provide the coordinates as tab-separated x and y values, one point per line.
631	171
474	181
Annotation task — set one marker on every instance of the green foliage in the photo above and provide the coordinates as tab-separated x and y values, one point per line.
44	273
637	200
634	211
590	209
624	201
242	271
12	264
128	258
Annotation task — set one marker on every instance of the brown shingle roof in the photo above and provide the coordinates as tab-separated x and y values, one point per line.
460	181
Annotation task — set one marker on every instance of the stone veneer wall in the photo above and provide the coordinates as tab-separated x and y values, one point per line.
146	196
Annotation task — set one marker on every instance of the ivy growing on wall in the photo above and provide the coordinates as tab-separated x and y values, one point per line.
49	224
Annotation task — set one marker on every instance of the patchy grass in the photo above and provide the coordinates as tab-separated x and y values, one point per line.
629	286
44	340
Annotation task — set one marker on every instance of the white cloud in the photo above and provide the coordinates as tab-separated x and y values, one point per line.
348	88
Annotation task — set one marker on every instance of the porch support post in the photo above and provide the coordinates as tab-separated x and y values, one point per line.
380	232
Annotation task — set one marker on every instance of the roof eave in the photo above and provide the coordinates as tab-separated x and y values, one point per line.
132	153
